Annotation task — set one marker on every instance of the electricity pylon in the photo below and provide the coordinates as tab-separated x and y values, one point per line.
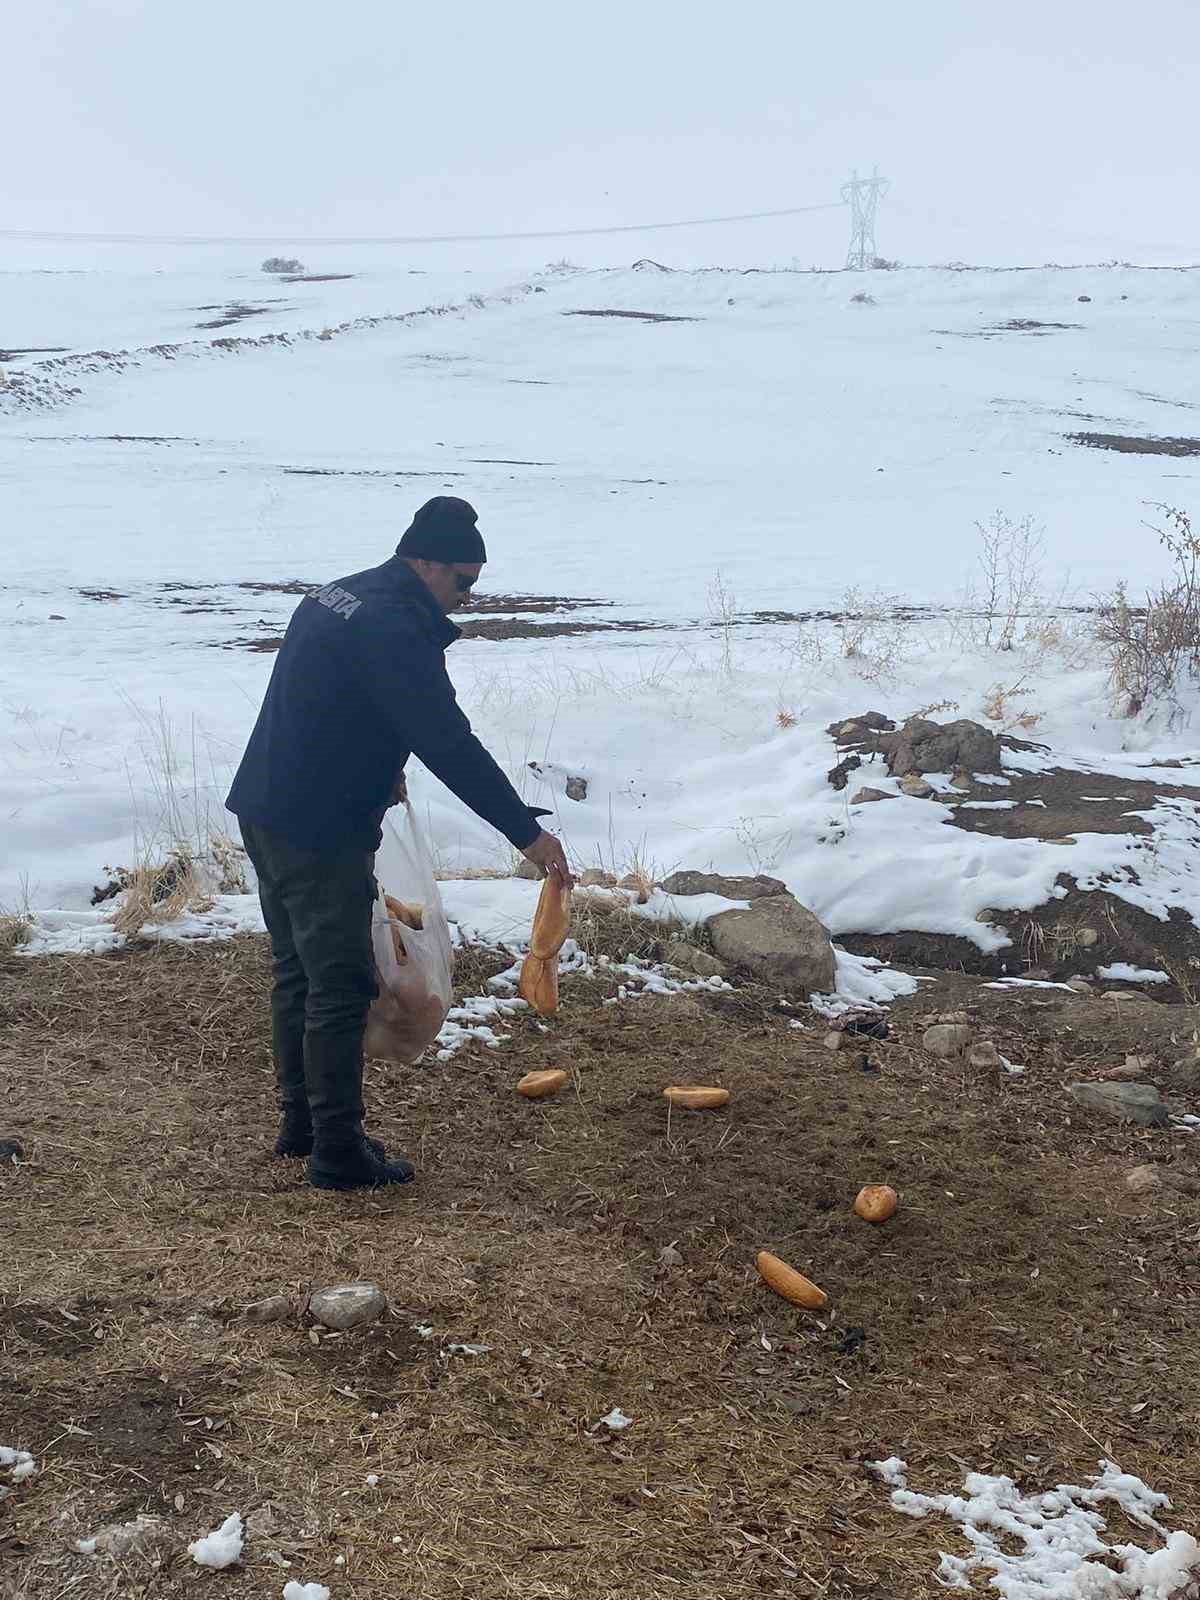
864	195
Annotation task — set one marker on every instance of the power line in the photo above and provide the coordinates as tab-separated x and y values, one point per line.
406	239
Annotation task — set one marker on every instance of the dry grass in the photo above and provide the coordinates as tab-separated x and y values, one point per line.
1022	1313
157	894
15	930
1154	649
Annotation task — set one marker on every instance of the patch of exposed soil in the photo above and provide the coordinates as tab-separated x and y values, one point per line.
34	350
238	311
483	603
366	472
1013	325
288	586
319	277
1023	1312
633	316
1131	444
102	594
29	1329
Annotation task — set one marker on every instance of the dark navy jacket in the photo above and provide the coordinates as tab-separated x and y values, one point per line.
359	684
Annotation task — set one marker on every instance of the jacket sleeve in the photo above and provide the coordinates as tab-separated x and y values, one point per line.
410	688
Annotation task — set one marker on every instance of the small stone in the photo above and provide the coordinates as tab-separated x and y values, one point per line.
528	870
1084	299
1079	985
668	1256
276	1308
914	784
577	788
1125	1102
961	780
348	1305
145	1536
1067	840
947	1039
1085	938
834	1040
983	1055
597	878
951	1016
690	958
1127	1072
11	1150
1141	1180
866	796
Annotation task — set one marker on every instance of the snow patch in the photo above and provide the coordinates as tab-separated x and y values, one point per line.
1059	1533
222	1547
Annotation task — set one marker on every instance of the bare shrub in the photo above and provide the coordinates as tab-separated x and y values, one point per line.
874	635
282	264
1000	705
785	718
1153	650
862	298
1008	586
722	607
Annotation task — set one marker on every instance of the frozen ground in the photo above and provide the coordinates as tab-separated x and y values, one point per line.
789	438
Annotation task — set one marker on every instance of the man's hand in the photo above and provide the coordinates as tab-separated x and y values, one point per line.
399	791
546	852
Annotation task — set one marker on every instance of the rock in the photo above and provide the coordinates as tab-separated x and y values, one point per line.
866	796
1080	985
961	780
577	788
597	878
1126	1072
11	1150
1126	1102
912	783
838	777
947	1039
528	870
731	888
951	1016
924	746
1085	938
778	941
1084	299
689	957
983	1055
834	1040
1066	839
859	730
1141	1180
348	1305
145	1536
276	1308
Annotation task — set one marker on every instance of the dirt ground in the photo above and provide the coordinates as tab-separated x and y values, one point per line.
1023	1313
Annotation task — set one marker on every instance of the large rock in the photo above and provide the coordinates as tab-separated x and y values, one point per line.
684	883
1126	1102
867	796
924	746
778	941
348	1305
947	1039
690	958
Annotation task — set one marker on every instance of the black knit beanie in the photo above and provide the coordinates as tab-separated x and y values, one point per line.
444	530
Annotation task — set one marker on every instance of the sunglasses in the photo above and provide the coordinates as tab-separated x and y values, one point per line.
464	583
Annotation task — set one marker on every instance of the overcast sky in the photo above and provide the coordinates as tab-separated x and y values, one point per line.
1021	132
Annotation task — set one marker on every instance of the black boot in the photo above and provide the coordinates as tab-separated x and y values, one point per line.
342	1155
296	1135
358	1166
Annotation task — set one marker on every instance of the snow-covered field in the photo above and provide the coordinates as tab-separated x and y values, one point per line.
791	439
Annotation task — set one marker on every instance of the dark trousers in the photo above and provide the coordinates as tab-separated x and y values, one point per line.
317	907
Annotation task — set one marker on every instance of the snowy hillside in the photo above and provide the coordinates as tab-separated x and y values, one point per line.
627	436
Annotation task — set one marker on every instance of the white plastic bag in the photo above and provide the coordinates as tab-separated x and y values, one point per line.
415	966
